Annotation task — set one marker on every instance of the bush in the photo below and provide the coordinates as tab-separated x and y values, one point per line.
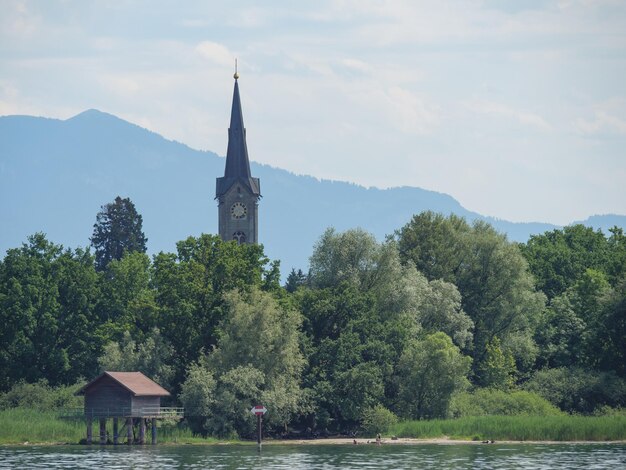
378	419
519	428
578	390
608	411
40	396
486	401
429	373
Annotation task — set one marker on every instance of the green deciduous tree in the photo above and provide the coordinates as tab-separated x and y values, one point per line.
261	334
128	302
198	396
152	356
238	390
616	265
41	396
361	310
608	338
118	229
561	335
190	288
441	310
47	304
498	369
497	291
257	361
359	388
378	419
490	401
579	390
429	373
355	258
560	257
582	326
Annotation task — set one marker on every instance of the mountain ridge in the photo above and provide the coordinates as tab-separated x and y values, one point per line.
56	174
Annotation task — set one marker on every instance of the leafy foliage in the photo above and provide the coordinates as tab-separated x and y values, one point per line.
128	301
498	369
378	420
429	373
294	280
497	291
47	312
489	402
374	331
578	390
190	288
257	360
152	357
41	396
559	258
118	229
611	336
198	397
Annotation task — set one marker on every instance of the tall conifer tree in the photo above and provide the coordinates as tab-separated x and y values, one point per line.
118	229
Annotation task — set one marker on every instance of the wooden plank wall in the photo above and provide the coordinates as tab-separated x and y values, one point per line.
107	394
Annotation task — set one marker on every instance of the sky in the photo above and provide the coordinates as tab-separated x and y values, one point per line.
515	108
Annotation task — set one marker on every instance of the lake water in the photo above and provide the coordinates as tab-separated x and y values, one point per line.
445	456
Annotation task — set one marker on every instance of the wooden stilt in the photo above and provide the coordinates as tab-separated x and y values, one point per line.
89	430
116	432
154	431
142	430
129	431
103	431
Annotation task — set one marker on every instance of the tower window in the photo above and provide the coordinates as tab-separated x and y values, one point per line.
240	237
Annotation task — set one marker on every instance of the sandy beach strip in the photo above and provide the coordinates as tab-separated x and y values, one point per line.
414	441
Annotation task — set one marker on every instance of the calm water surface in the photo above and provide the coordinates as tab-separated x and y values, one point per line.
526	456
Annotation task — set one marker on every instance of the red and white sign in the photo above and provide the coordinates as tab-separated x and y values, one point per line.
258	410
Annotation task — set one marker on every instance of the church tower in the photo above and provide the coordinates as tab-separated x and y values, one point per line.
237	192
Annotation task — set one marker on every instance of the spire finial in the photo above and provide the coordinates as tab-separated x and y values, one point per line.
236	76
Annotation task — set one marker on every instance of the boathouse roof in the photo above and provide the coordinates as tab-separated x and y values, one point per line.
135	382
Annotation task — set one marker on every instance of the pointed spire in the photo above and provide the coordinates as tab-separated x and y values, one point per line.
237	162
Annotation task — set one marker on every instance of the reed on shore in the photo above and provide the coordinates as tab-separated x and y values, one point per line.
518	428
25	425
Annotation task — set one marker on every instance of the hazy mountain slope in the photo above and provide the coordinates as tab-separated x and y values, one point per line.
55	175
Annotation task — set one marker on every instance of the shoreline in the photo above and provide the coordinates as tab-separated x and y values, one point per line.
341	441
417	441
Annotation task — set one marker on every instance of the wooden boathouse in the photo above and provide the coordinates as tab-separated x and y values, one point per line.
127	396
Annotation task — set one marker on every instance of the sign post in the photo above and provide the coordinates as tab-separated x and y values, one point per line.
259	411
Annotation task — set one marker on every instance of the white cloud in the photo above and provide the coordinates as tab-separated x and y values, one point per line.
601	122
194	23
216	53
19	20
123	85
500	110
410	112
250	17
608	116
356	64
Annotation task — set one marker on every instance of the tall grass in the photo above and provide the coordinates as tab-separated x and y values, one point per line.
519	428
27	425
20	425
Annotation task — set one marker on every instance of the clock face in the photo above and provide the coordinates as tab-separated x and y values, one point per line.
238	210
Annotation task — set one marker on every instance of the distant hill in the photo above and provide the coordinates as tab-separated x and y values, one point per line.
55	175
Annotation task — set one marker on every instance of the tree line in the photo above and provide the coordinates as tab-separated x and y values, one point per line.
439	313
